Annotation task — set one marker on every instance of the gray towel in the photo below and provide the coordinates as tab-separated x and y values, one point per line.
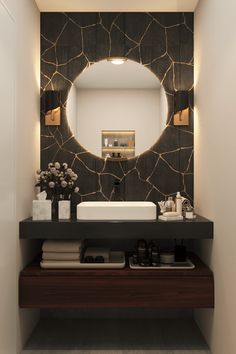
60	264
61	256
64	246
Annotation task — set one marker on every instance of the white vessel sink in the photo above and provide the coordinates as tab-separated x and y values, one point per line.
116	211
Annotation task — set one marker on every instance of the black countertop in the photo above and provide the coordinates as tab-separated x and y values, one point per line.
199	228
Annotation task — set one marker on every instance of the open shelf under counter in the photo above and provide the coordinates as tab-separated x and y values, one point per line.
144	288
198	228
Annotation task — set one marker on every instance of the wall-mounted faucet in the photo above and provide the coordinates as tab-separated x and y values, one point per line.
117	192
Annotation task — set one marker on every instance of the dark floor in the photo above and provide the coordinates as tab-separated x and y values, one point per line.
123	336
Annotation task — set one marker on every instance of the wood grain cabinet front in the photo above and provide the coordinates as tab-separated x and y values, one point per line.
40	288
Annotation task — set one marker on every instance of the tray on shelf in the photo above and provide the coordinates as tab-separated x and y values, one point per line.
177	265
117	261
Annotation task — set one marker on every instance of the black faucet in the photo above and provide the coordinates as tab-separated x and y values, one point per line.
117	195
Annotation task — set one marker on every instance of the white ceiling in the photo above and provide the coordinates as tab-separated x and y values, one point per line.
116	6
105	75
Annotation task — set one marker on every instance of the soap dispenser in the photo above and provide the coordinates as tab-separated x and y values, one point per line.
178	203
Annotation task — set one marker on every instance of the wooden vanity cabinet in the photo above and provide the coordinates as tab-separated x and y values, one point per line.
144	288
41	288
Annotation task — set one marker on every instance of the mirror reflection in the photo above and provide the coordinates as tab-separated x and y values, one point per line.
117	111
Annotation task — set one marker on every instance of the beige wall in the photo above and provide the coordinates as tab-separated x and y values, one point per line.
215	161
19	156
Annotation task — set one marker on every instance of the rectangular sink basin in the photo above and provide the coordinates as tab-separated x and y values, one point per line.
116	211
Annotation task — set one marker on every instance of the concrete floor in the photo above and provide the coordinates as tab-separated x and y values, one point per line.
116	336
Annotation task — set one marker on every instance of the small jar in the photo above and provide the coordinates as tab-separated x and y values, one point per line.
189	213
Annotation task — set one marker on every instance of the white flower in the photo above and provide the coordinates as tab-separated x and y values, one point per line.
65	165
74	178
50	165
53	169
57	165
64	184
38	172
69	171
76	189
51	184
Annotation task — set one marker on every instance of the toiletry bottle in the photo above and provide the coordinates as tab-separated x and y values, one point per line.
115	142
178	203
170	204
106	142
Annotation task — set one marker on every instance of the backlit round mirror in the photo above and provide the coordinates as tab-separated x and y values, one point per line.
117	111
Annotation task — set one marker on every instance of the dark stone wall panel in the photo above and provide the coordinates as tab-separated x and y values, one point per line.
188	20
153	44
52	24
83	20
108	19
179	39
166	179
134	25
163	42
168	19
161	66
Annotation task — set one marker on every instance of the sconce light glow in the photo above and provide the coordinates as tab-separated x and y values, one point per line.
117	60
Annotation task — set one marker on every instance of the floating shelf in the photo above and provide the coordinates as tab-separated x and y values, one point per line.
199	228
117	138
115	148
117	158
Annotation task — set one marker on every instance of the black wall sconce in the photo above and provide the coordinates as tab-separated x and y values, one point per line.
52	108
181	107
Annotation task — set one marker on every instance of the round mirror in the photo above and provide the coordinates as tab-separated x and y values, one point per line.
117	111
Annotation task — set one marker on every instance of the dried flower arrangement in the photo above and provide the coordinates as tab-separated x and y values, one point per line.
58	181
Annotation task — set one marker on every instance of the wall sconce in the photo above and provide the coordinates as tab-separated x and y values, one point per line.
181	108
52	108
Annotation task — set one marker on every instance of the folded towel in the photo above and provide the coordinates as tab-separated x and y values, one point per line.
61	256
60	264
62	246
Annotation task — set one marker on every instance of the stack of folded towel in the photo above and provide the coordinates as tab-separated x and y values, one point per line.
61	254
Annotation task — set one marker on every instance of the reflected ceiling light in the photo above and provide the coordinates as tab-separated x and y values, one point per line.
117	60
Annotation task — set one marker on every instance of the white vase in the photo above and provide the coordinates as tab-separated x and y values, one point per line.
64	209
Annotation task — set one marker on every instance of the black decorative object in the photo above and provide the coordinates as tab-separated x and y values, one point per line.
163	42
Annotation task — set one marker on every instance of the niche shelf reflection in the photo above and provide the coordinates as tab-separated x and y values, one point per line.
118	144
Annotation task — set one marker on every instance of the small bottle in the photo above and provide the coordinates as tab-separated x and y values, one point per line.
115	142
106	142
178	203
170	204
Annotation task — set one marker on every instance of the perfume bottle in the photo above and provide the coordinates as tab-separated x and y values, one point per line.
106	142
